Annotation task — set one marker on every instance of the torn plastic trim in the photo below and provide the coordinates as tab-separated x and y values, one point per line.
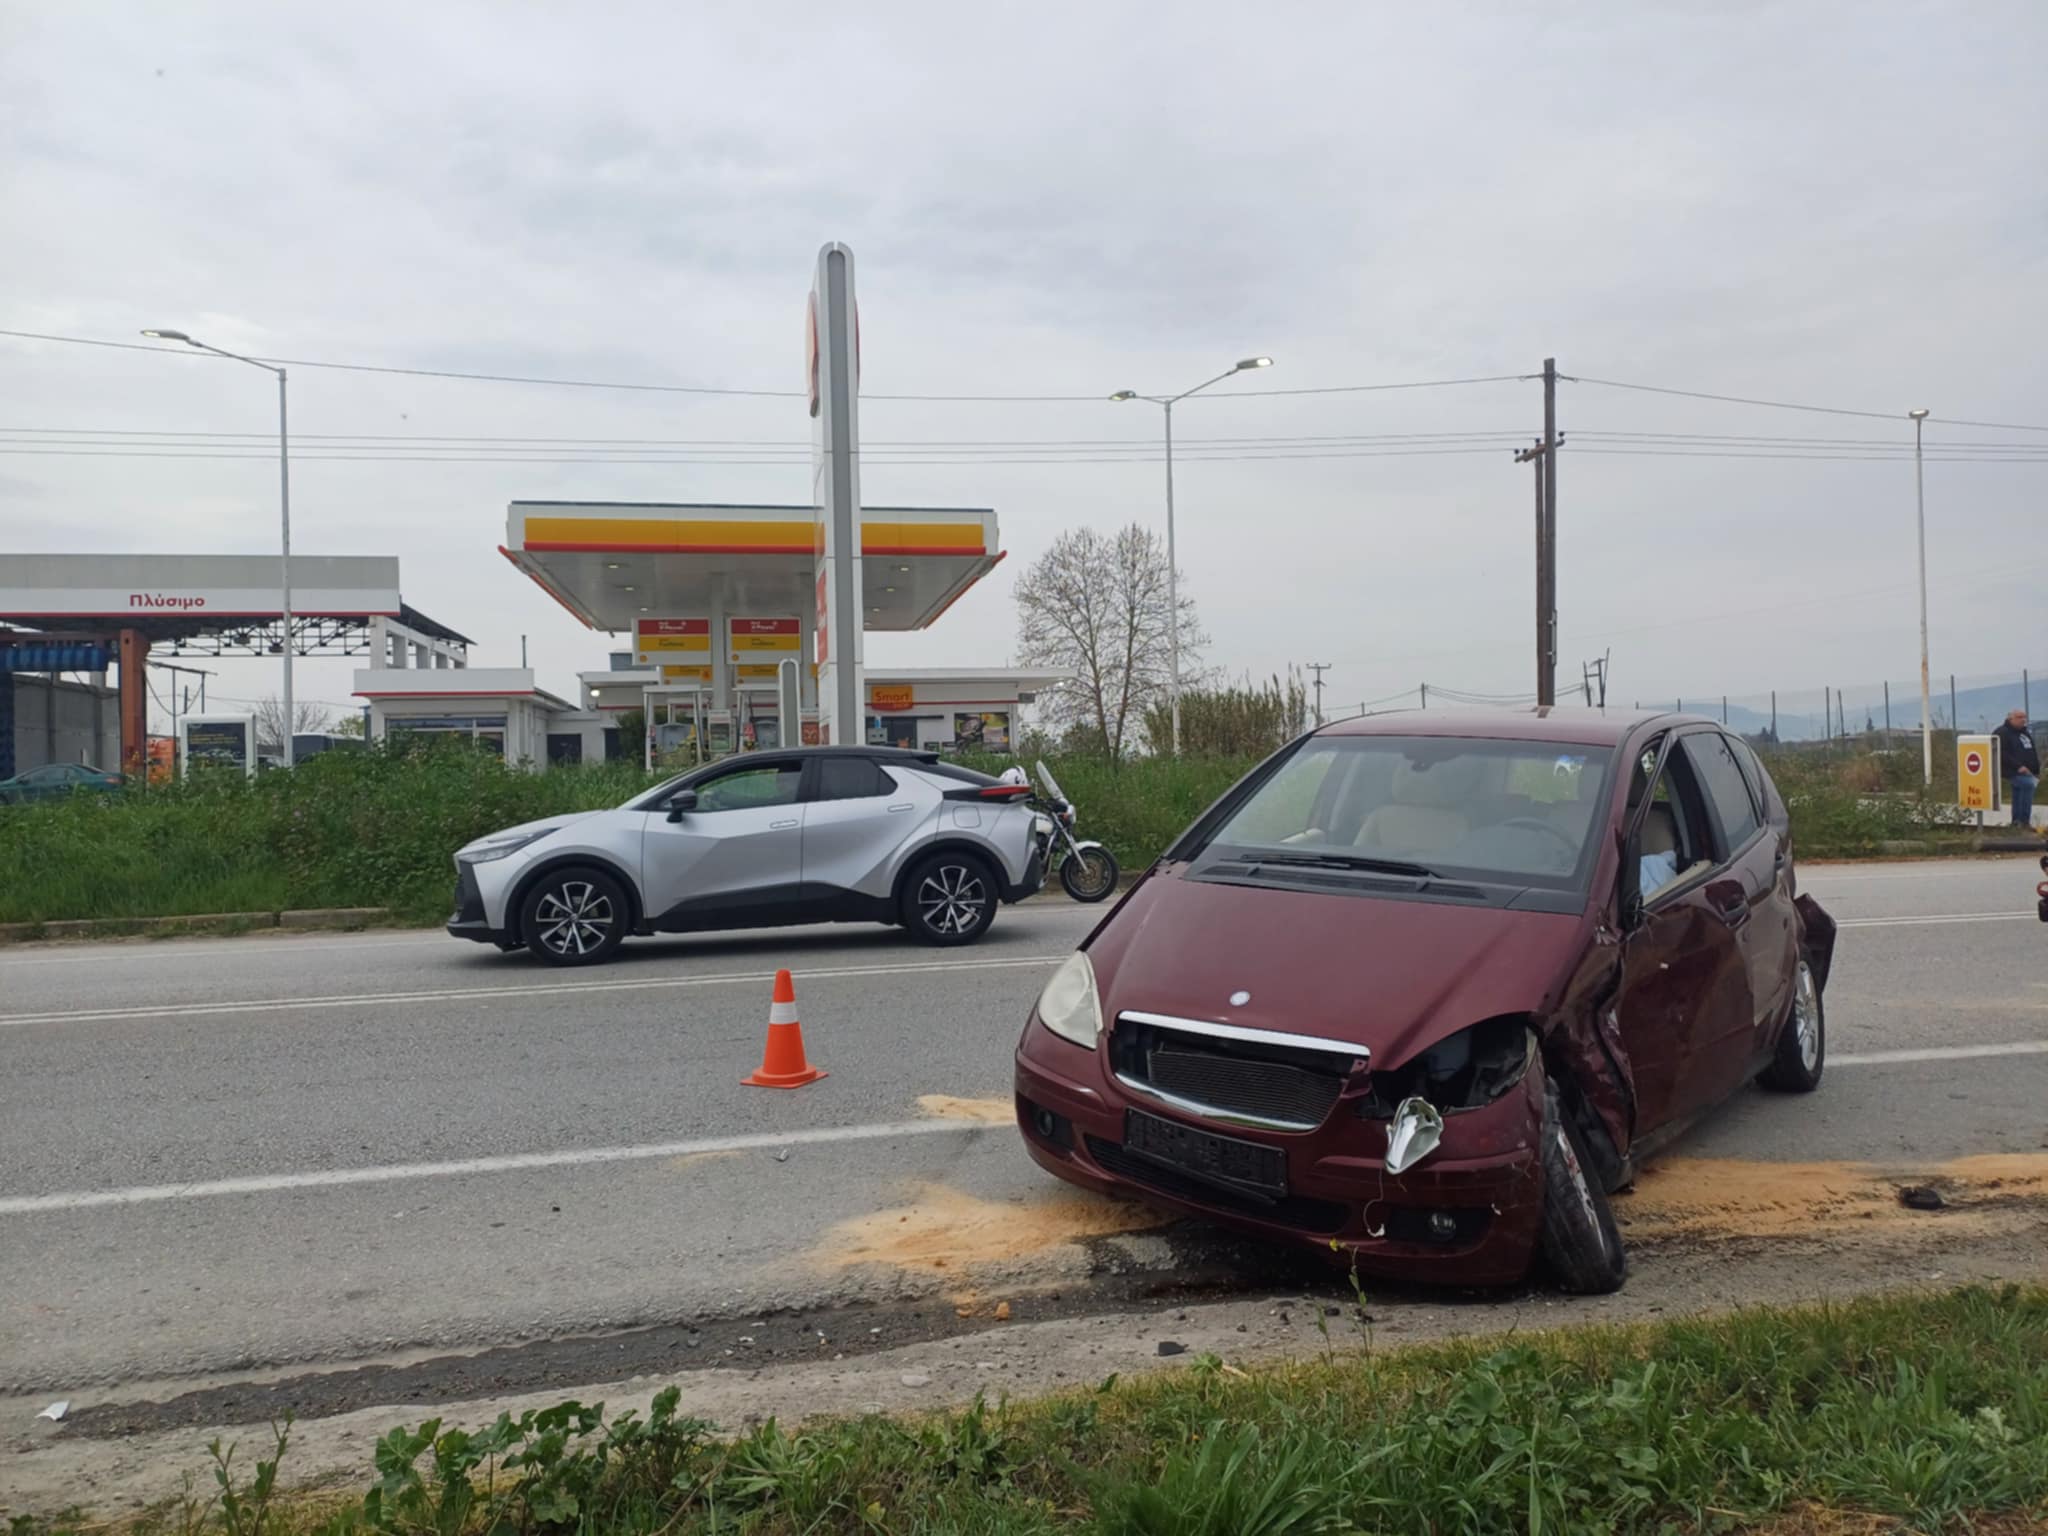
1416	1130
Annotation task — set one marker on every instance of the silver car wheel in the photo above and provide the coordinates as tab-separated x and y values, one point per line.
575	918
1806	1017
951	899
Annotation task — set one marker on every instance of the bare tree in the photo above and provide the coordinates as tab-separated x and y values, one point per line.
1096	606
308	718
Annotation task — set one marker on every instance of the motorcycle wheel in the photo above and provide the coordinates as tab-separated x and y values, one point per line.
1090	875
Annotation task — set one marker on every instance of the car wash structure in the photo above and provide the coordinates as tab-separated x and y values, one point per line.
84	613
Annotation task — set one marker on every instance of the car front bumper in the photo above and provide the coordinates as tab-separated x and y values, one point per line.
1469	1214
469	920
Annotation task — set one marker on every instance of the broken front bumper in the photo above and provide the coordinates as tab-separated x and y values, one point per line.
1469	1213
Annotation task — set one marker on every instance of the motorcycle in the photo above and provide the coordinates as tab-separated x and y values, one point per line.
1087	871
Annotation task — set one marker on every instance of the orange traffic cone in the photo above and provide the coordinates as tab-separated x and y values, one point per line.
783	1064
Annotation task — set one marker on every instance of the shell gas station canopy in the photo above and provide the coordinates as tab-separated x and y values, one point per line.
615	564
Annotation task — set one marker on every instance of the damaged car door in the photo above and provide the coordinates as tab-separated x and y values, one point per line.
1685	989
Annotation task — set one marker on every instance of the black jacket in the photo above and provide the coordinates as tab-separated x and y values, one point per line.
2016	750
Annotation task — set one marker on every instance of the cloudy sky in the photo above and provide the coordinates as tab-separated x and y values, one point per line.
1839	205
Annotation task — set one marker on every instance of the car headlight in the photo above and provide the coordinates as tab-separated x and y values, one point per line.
500	847
1070	1006
1467	1070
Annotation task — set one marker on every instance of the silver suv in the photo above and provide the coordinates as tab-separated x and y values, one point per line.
818	835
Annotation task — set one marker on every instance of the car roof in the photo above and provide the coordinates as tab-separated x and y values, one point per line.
1548	724
803	754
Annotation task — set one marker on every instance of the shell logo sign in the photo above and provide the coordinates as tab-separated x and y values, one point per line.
756	647
658	641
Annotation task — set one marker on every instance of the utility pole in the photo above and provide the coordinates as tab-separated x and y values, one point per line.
1543	455
1319	668
1595	671
1547	683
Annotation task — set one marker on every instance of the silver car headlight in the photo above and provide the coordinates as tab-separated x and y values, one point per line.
500	847
1070	1006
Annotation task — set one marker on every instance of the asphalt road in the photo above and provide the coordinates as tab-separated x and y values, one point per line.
223	1154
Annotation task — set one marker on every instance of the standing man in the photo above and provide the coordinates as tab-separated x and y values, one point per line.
2021	763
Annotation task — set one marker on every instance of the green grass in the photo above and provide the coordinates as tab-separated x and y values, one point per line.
1928	1410
377	829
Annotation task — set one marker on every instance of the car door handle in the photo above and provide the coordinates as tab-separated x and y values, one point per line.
907	805
777	826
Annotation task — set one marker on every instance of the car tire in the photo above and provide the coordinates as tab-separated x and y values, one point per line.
949	899
1581	1244
574	916
1802	1053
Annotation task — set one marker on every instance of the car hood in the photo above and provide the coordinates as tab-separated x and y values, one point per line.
1391	974
529	829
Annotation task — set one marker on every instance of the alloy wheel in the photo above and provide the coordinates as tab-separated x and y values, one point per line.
575	918
951	899
1581	1188
1806	1017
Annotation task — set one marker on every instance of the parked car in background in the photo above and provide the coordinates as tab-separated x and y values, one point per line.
1425	989
807	835
55	779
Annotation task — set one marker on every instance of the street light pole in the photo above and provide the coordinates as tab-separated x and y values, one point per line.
284	512
1926	701
1167	403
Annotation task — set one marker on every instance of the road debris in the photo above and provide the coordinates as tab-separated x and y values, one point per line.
56	1411
1921	1197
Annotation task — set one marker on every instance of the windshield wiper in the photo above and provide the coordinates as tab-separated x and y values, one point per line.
1343	861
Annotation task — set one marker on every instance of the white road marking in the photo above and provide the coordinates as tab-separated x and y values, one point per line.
527	1162
492	994
1938	917
524	1162
1939	1053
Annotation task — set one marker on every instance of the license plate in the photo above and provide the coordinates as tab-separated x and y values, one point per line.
1205	1155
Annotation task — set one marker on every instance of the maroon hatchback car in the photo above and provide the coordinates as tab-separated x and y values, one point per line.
1425	988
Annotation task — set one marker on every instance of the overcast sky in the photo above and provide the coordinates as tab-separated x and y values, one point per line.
1843	205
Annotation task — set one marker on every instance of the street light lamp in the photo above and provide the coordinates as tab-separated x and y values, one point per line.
284	504
1920	502
1168	402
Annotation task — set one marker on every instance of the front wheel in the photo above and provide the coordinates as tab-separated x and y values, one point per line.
949	899
1090	874
573	917
1581	1243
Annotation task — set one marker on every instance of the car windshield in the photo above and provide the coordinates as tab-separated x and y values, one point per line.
1504	811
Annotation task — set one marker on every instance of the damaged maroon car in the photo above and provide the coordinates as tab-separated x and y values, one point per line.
1424	989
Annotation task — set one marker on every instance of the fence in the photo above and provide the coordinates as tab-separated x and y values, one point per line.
1883	710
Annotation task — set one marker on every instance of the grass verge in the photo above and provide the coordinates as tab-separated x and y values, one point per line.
378	828
1920	1412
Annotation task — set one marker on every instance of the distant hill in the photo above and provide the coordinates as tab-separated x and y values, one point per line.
1979	709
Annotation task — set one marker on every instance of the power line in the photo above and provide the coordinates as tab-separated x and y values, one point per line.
1786	405
1093	397
785	462
791	444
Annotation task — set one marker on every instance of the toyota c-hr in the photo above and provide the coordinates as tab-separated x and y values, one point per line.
813	835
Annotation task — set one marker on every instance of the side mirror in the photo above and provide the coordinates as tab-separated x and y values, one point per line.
681	801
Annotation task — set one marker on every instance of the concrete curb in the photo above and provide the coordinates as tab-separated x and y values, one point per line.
308	920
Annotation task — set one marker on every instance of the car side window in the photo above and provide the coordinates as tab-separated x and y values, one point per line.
852	778
1760	788
1673	838
1726	786
749	788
